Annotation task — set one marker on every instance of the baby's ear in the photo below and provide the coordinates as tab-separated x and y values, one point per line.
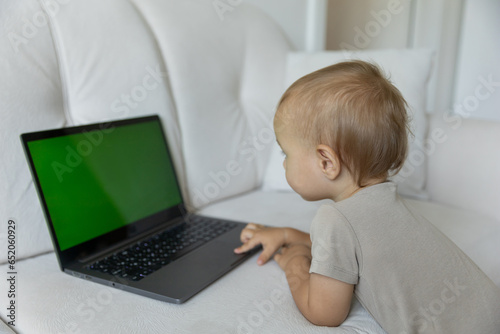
328	161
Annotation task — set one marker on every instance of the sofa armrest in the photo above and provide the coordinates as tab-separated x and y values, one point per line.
464	163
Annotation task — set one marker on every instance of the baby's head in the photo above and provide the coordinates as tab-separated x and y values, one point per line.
352	108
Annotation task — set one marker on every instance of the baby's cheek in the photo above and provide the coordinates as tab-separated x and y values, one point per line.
295	183
289	179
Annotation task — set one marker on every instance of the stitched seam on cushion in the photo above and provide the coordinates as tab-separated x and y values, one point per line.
168	84
60	62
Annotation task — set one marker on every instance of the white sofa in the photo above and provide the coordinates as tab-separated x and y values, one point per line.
214	79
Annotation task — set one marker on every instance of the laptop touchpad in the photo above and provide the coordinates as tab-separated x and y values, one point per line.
196	268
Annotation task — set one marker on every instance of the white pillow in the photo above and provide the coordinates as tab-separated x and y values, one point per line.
409	71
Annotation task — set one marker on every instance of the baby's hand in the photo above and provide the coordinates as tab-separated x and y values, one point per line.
292	251
270	238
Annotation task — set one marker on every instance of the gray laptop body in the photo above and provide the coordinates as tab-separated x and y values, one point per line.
116	215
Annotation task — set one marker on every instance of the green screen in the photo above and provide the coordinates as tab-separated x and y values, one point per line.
97	181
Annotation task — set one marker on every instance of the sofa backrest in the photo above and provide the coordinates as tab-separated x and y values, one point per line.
30	99
212	74
226	71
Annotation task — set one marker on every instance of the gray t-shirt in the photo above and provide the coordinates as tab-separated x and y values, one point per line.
408	275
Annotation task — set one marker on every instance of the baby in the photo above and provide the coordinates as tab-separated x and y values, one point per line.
343	130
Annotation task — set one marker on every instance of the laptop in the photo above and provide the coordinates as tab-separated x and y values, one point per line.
116	214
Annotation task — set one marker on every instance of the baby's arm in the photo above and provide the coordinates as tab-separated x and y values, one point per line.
324	301
271	239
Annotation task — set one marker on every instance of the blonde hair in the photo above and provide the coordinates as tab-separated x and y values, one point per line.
355	110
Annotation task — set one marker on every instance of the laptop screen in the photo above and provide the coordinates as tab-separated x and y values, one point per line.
99	180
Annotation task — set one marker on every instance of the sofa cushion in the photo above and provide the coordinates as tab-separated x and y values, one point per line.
226	75
111	67
409	70
110	63
30	99
464	163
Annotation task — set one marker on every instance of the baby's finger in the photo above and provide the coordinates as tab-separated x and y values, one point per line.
255	226
247	246
246	234
279	260
266	254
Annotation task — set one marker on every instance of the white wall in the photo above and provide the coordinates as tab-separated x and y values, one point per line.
302	21
373	24
479	61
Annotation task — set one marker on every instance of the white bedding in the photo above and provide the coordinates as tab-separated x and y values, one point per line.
250	299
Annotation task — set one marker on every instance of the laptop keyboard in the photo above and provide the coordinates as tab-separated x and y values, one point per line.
147	256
